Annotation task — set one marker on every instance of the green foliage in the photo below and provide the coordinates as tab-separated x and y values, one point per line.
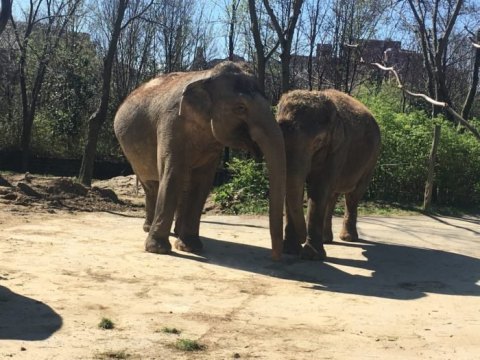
189	345
458	167
406	142
247	191
68	95
122	354
106	324
170	330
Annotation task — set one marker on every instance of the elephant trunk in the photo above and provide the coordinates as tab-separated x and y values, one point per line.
296	228
269	138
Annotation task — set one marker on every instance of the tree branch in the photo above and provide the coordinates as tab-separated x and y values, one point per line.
274	20
444	105
139	15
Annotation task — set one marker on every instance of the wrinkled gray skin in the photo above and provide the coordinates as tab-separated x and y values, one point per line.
173	129
332	144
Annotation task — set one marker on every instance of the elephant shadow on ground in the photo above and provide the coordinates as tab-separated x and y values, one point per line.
388	270
23	318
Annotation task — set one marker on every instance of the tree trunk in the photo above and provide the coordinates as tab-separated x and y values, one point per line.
231	32
467	106
5	14
261	70
285	37
26	137
427	199
285	57
98	118
259	49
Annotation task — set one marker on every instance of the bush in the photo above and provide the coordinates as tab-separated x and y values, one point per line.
406	142
247	191
457	172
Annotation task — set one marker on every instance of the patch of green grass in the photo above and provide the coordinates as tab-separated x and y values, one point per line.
106	324
170	330
385	209
120	355
378	208
188	345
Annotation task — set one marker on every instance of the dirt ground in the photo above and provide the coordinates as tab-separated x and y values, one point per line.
69	257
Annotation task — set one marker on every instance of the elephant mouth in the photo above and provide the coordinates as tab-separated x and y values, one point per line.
242	140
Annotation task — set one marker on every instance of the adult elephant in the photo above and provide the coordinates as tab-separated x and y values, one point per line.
332	143
173	128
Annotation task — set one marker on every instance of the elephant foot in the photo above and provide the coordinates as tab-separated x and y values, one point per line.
311	252
189	244
291	247
327	238
346	236
158	246
146	226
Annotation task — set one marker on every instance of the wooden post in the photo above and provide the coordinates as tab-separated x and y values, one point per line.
427	198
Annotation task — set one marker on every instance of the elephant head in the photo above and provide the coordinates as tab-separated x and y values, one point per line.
240	117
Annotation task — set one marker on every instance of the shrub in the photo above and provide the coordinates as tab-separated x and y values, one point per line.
106	324
247	191
189	345
406	141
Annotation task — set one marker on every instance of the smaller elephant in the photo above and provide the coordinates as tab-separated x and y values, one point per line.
332	143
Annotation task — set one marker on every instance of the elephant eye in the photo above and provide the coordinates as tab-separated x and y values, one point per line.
240	109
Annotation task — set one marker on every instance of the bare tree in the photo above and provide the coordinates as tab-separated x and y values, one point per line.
467	106
315	22
5	13
38	39
284	23
350	22
434	23
98	117
175	20
134	56
232	12
262	51
202	35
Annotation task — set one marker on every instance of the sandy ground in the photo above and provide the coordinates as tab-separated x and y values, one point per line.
410	289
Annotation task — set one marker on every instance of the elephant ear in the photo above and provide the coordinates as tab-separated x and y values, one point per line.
196	97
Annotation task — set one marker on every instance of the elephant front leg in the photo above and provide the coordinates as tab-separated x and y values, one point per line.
318	196
189	210
293	241
295	228
169	188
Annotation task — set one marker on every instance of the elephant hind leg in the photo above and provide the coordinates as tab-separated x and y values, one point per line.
151	191
327	225
349	229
